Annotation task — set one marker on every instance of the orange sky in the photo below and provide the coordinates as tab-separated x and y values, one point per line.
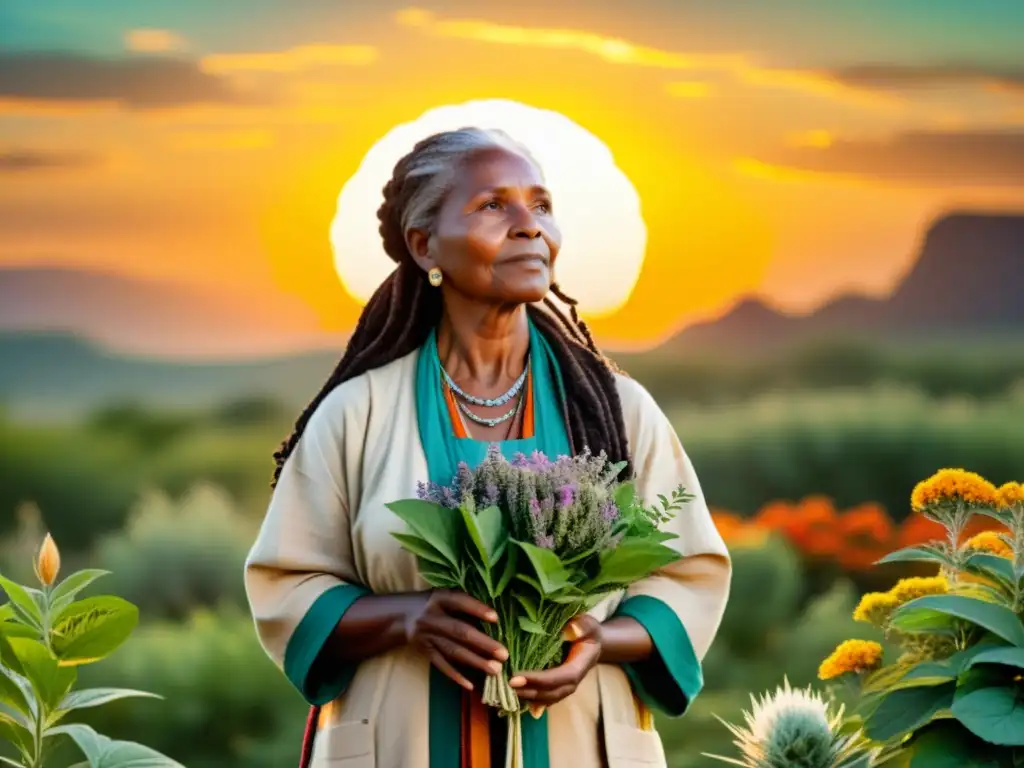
747	167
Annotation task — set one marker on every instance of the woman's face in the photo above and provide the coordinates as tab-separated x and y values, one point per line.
495	238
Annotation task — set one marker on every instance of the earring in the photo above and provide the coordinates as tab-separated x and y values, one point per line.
435	277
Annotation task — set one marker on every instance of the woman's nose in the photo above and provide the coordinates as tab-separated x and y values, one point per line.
525	225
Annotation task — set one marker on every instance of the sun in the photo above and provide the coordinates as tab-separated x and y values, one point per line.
597	207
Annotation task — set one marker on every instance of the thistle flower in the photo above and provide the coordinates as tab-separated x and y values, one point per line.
851	656
793	728
47	564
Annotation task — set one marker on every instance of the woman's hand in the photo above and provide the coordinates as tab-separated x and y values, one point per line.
438	627
553	685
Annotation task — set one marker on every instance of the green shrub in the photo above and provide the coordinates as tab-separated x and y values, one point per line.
47	635
173	557
227	705
870	445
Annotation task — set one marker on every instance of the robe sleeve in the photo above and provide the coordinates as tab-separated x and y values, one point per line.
300	575
681	605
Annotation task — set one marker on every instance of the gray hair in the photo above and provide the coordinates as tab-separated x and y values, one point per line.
424	177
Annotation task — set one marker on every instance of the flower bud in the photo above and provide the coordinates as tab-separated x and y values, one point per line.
48	565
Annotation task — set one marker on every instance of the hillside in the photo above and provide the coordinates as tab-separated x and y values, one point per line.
967	282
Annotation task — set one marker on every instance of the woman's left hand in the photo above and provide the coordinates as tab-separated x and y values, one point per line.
553	685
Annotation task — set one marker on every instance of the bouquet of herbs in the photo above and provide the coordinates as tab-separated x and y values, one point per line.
539	540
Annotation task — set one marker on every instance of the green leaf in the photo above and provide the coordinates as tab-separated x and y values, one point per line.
439	576
1007	655
420	547
7	656
439	526
625	495
551	574
907	710
921	554
533	627
92	629
507	573
531	582
22	603
629	562
993	567
994	714
17	733
95	697
103	752
13	693
487	531
924	674
49	679
997	619
66	591
946	744
529	605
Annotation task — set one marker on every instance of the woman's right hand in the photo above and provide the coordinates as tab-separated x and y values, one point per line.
437	625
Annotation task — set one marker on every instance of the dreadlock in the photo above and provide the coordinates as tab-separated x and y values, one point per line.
404	309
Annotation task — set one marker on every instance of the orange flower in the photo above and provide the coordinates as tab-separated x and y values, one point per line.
867	535
919	530
47	565
737	531
953	486
1011	494
776	515
991	542
815	530
727	523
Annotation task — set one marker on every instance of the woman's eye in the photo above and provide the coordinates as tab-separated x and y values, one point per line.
490	205
544	207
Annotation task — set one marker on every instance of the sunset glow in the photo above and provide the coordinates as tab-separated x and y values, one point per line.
597	207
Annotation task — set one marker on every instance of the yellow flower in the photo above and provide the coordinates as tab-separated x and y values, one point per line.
875	608
1011	494
990	541
918	586
47	565
851	656
953	485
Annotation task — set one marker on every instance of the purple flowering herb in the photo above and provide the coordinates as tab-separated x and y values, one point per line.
544	541
449	497
566	494
609	511
490	494
535	510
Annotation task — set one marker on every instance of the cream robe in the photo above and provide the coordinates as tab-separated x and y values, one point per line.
327	525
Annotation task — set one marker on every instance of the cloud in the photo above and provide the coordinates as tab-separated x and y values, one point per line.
134	82
297	59
969	158
153	41
619	51
23	161
907	77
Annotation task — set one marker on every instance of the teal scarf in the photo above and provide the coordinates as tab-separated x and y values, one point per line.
444	452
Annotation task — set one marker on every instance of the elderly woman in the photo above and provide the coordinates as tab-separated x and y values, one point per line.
461	348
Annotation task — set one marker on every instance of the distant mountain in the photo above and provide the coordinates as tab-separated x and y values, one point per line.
55	376
968	281
141	316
